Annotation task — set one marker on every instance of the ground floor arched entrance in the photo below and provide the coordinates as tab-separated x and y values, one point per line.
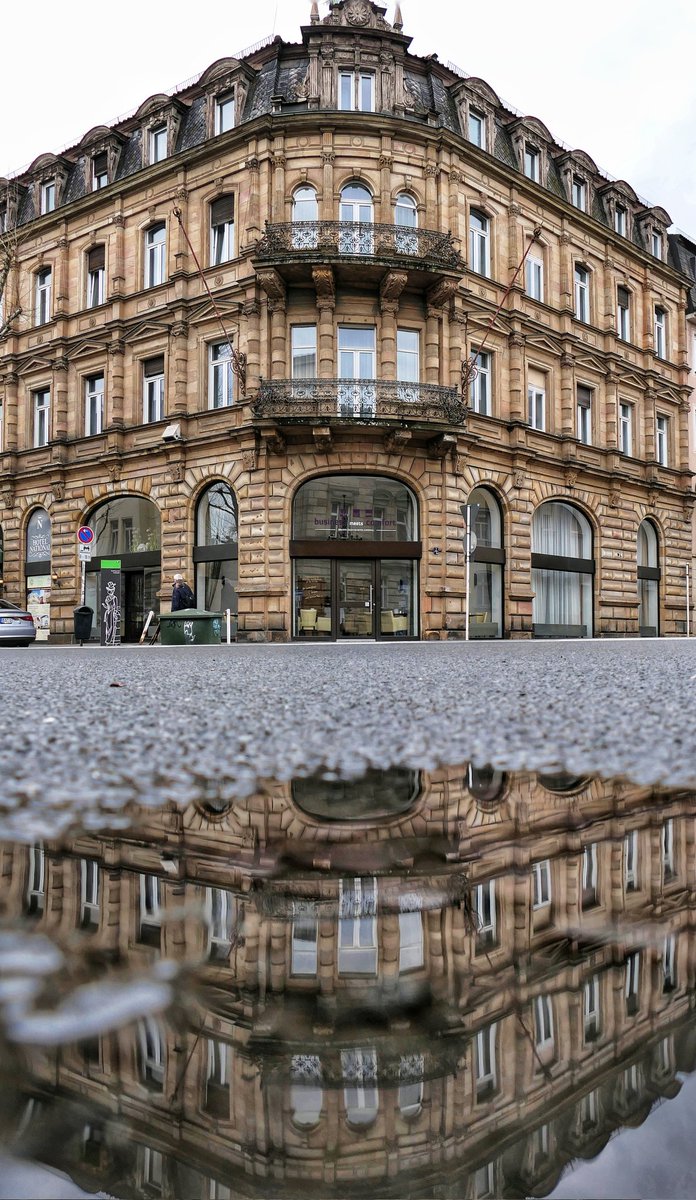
126	552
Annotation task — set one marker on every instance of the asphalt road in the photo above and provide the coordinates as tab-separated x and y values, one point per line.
89	730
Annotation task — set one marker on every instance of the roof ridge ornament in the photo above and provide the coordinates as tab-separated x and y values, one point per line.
314	17
358	14
398	19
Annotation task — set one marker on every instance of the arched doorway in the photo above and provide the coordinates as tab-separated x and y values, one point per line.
648	580
355	553
562	572
486	568
217	550
127	538
37	570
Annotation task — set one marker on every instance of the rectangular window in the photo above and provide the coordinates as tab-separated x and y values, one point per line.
158	144
623	314
304	351
100	171
632	982
543	1022
155	255
356	90
42	417
150	917
656	243
534	277
582	294
94	405
36	879
631	861
662	440
485	916
151	1052
531	162
152	1169
42	302
584	406
480	387
486	1067
542	883
96	276
668	871
485	1187
220	919
221	230
479	230
357	927
408	355
536	398
620	220
669	964
221	376
153	389
48	196
89	893
410	940
660	333
477	129
357	362
626	428
579	193
224	113
591	1009
304	938
589	876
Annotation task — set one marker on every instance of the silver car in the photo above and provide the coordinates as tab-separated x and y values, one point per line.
17	626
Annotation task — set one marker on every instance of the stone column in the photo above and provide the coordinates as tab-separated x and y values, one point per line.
326	303
517	389
114	417
278	339
682	439
252	314
59	398
567	395
11	414
328	208
278	213
567	299
178	370
387	366
432	344
457	345
431	175
649	425
611	422
60	308
116	258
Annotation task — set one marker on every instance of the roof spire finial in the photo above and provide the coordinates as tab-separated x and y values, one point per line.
398	19
314	15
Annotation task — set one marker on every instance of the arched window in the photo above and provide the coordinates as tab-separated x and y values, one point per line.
406	217
305	214
562	571
648	581
486	568
356	216
306	1091
479	243
486	784
376	795
360	1093
216	550
563	781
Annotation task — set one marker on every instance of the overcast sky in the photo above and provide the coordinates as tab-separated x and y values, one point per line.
616	79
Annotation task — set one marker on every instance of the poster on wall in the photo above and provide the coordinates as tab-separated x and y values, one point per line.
39	604
110	603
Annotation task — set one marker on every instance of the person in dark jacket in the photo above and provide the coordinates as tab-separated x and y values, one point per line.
182	596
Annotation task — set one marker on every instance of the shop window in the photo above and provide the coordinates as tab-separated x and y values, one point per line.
562	571
648	580
486	568
357	507
216	551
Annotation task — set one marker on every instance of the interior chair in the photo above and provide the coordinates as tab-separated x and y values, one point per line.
308	620
323	625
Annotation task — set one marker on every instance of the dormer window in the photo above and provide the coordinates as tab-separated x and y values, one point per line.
356	91
531	162
158	144
477	128
48	196
100	171
579	193
620	220
656	243
224	113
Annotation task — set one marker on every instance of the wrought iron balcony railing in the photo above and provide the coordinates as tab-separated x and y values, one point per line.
359	239
358	400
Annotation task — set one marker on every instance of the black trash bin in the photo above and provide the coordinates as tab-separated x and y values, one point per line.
82	622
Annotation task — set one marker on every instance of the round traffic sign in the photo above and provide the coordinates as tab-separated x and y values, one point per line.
85	535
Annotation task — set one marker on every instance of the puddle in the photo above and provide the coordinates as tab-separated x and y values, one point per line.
458	983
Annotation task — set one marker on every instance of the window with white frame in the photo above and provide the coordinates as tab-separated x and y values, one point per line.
224	112
94	404
589	1111
36	880
407	359
589	876
584	414
479	243
411	1089
485	1070
662	440
665	1056
540	1145
42	417
406	217
150	916
220	375
625	428
220	914
89	893
480	386
656	243
620	216
96	276
357	927
631	879
669	964
48	196
543	1022
660	332
2	433
591	1013
410	940
360	1095
356	91
42	299
534	278
531	162
485	915
152	1176
305	214
668	871
100	171
632	983
542	884
582	293
477	128
485	1187
623	314
218	1064
536	400
305	930
157	143
221	230
153	389
155	255
578	193
151	1046
303	339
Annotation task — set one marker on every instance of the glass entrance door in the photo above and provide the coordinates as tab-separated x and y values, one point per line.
356	599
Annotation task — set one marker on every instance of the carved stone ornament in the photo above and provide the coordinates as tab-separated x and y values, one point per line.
58	490
614	499
571	478
358	13
519	479
115	472
249	460
396	440
274	286
8	497
392	286
458	463
176	473
325	286
276	443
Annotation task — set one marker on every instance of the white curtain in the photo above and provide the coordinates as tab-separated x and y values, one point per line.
561	597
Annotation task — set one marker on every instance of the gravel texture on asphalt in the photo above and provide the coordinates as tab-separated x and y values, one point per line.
85	732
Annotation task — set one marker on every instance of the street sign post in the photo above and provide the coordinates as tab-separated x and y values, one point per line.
85	535
84	553
85	548
469	513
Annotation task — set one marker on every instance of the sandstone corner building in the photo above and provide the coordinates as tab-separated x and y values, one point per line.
287	425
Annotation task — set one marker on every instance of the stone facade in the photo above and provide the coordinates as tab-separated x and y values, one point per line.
446	150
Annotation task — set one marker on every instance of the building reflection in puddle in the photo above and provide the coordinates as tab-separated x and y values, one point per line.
449	984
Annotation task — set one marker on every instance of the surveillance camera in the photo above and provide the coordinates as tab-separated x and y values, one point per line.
172	434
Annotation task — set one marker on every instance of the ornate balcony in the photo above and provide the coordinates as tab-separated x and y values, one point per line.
360	252
301	401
